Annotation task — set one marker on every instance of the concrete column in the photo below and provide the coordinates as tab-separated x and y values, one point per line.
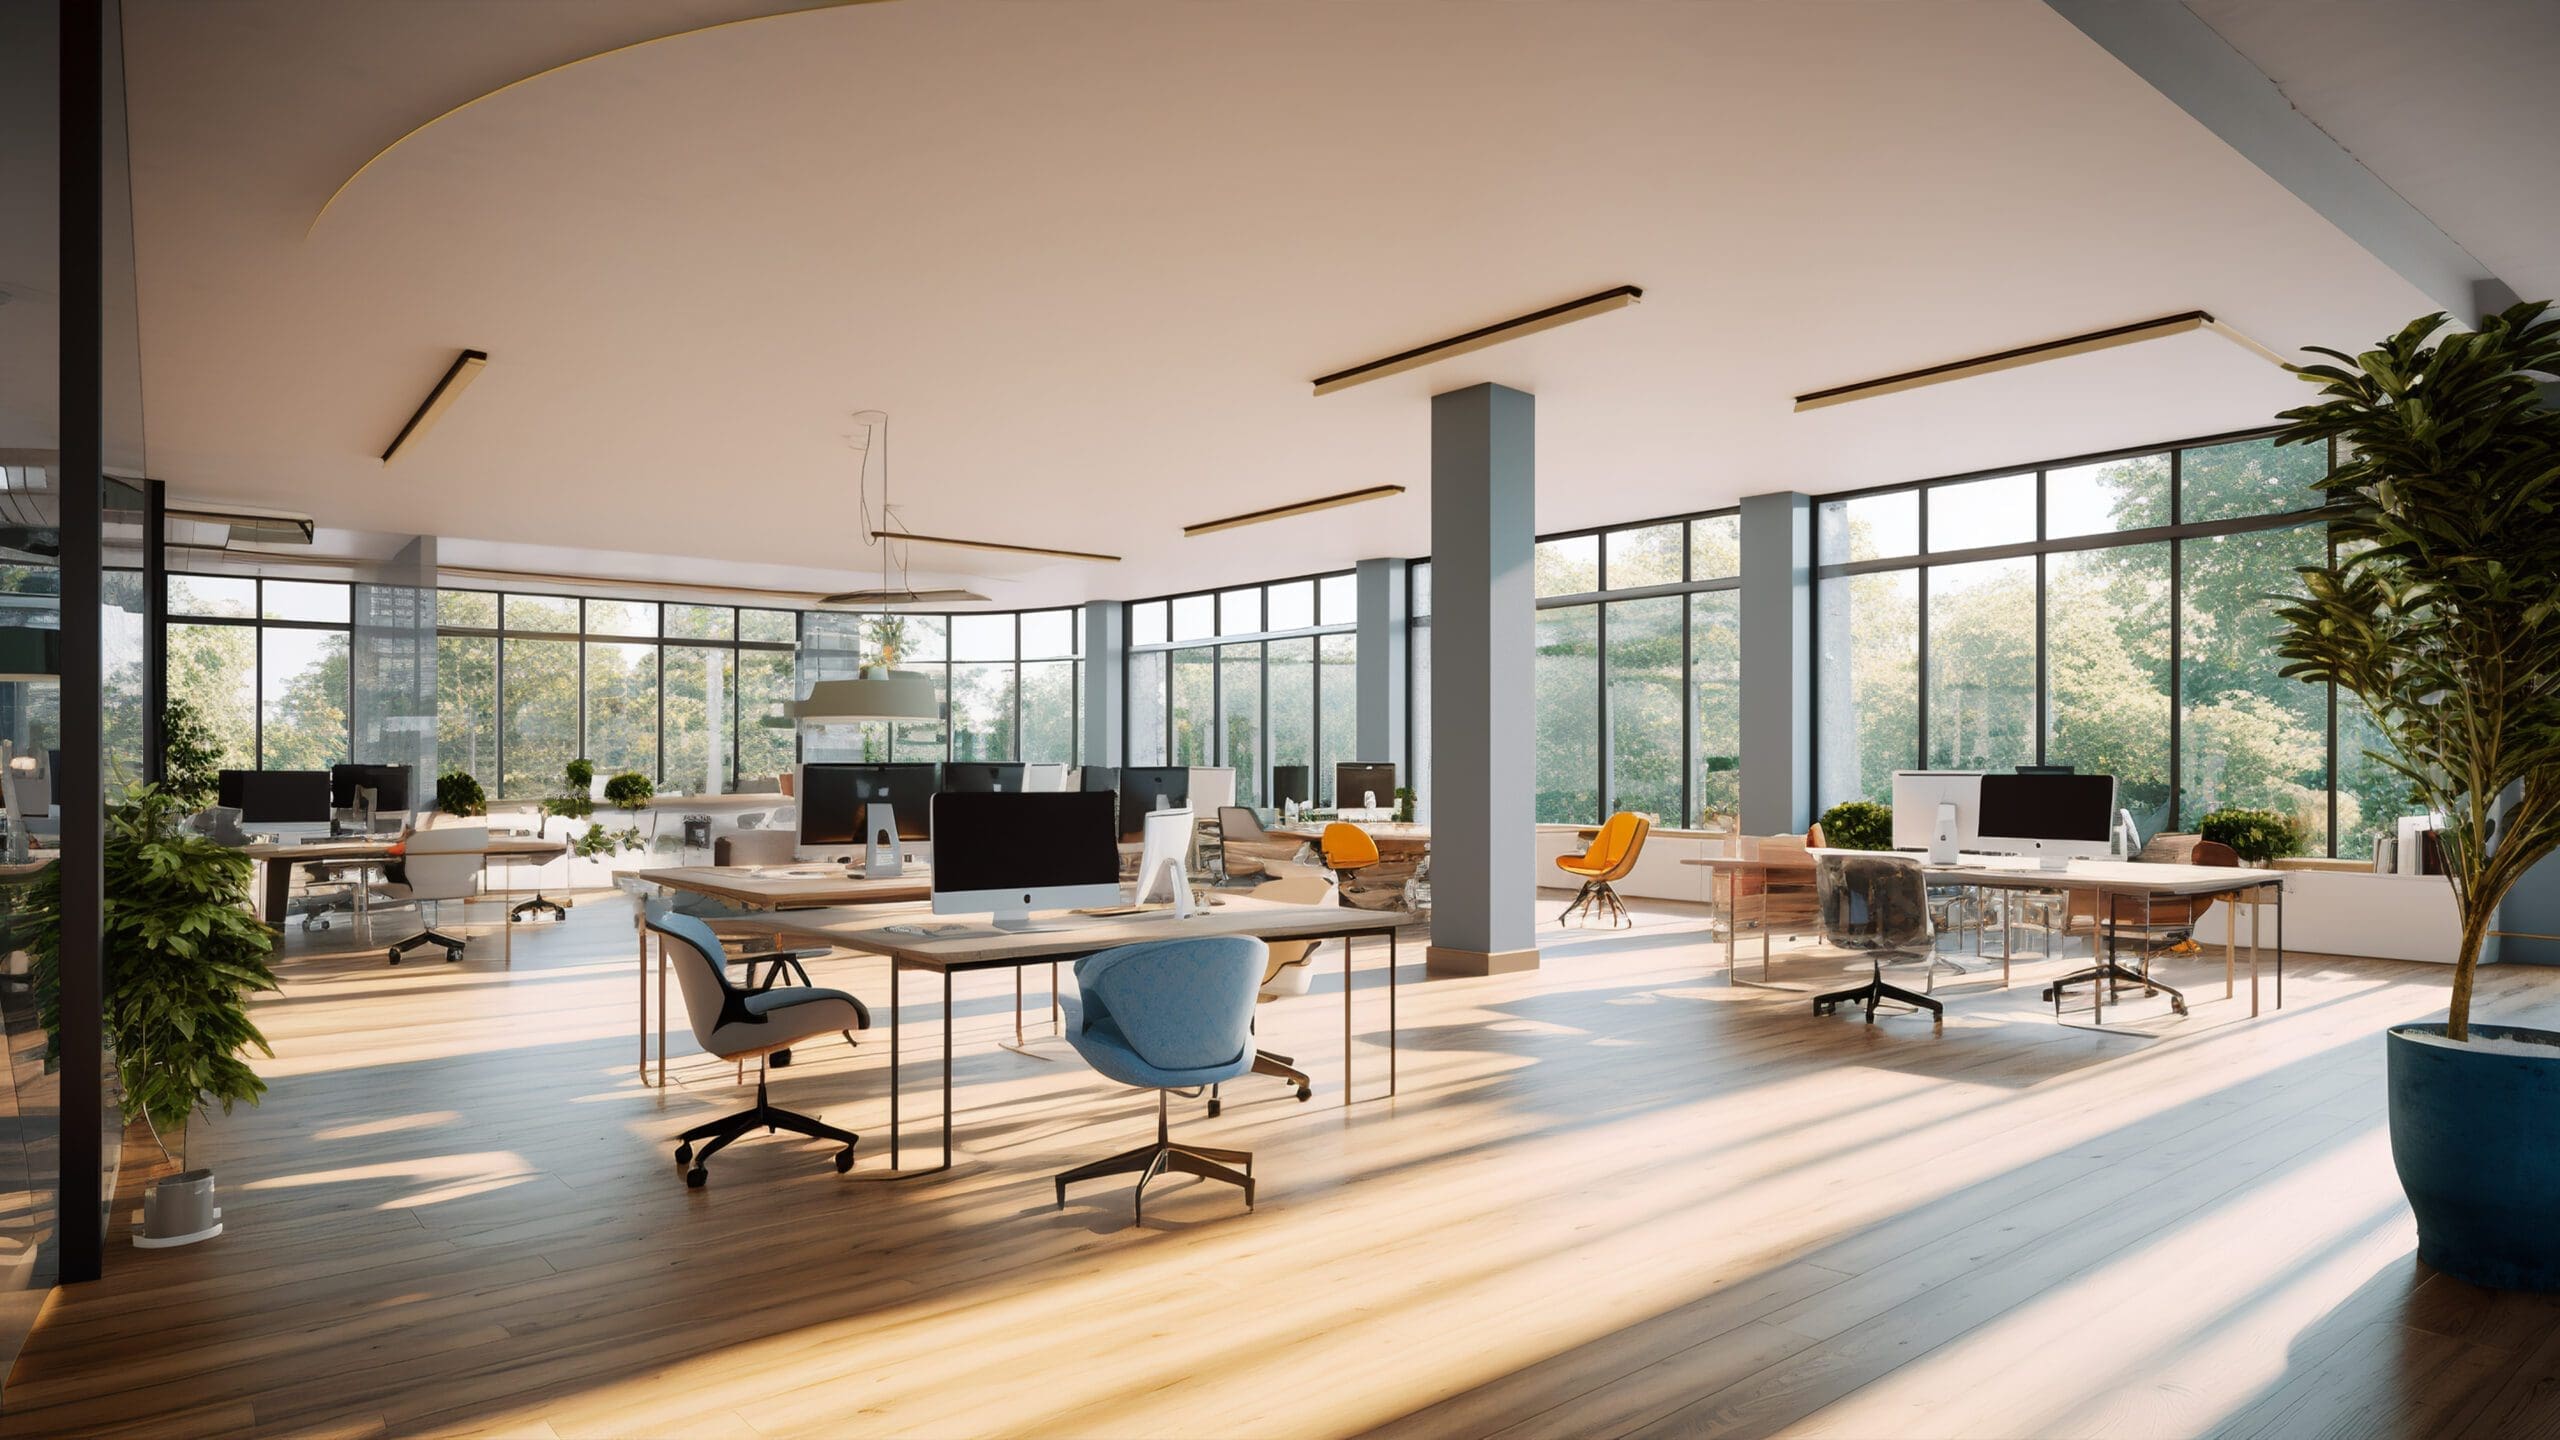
1777	663
394	659
1483	646
1102	689
1383	672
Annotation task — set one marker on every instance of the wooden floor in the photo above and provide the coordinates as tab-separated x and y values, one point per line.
1614	1197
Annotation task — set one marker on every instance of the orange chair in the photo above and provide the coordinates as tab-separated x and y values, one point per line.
1612	854
1347	850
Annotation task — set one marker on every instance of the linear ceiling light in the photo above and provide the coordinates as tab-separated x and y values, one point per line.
1494	334
2134	334
997	546
457	376
1302	507
249	527
870	598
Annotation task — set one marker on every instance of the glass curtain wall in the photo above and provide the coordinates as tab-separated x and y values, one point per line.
1252	678
2109	614
1006	682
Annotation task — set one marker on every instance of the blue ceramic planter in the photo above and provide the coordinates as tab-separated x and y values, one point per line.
2476	1138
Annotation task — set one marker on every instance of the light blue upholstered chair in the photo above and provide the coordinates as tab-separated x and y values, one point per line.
1163	1016
736	1023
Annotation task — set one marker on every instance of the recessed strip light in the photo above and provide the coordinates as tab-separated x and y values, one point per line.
2108	339
996	546
1302	507
1494	334
457	376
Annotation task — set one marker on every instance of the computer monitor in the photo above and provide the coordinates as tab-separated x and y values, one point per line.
277	797
974	778
1150	787
2047	770
1103	778
1354	781
389	784
1293	783
832	798
2052	817
1213	787
1011	853
1917	794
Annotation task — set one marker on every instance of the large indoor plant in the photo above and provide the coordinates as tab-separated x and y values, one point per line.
2440	616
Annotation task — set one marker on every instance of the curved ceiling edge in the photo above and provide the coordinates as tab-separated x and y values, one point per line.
413	132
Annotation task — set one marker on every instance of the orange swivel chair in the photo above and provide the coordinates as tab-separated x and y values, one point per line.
1612	854
1347	850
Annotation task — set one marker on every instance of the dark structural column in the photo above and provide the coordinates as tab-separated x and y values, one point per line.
155	627
83	1204
1483	623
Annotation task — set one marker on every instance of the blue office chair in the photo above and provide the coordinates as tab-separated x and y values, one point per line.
737	1024
1163	1016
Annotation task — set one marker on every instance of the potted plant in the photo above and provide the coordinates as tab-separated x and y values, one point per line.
458	793
181	952
2439	616
1858	825
2256	836
1405	801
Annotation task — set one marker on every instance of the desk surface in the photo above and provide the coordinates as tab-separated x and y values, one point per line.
2112	875
961	944
1384	831
373	848
789	887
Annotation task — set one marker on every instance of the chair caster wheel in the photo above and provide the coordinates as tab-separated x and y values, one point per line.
395	956
694	1178
779	1058
453	956
1214	1107
1306	1093
684	1153
844	1160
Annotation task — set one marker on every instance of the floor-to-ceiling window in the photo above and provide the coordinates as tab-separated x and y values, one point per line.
265	663
2112	614
1006	683
1253	677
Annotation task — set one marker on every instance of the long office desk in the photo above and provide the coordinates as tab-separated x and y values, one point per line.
948	947
765	888
277	859
1393	837
2107	880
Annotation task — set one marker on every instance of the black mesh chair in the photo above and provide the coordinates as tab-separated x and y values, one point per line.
1878	904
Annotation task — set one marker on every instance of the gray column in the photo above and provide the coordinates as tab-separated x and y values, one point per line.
1483	621
1102	678
394	661
1383	672
1777	663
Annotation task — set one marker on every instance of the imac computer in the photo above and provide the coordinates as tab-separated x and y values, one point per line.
369	790
1150	787
277	797
1935	811
1164	859
833	796
1010	853
1292	785
1361	785
1040	779
2055	818
977	778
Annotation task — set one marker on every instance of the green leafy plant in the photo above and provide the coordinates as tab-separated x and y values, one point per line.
2256	836
1405	801
181	954
599	841
629	790
2439	612
1858	825
577	800
458	792
190	760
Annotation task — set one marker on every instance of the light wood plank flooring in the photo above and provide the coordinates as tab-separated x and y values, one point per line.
1614	1197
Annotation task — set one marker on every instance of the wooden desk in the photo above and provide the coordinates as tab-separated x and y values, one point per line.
277	859
949	947
763	888
1393	836
2108	880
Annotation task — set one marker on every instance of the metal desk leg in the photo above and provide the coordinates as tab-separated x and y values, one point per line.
1732	922
2279	944
1391	1014
946	1071
2257	928
1057	1013
644	999
662	1017
2231	940
894	967
1346	1019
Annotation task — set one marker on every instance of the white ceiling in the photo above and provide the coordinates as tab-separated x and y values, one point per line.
1088	257
2448	104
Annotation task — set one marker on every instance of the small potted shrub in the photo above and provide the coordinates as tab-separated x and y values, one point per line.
458	793
2439	616
1858	825
2258	837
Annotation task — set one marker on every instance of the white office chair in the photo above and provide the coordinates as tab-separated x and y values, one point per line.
435	865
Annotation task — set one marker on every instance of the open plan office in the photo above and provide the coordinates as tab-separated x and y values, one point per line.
911	717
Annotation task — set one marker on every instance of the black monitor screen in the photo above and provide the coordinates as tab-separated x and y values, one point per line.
229	786
280	797
974	778
389	784
2047	807
1104	778
832	798
1142	786
1352	782
1023	842
1293	782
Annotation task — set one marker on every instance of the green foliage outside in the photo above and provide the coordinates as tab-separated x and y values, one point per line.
2256	836
191	762
2439	613
458	792
1858	825
181	952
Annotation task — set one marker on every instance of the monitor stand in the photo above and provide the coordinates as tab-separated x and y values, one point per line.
879	840
1942	838
2051	863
